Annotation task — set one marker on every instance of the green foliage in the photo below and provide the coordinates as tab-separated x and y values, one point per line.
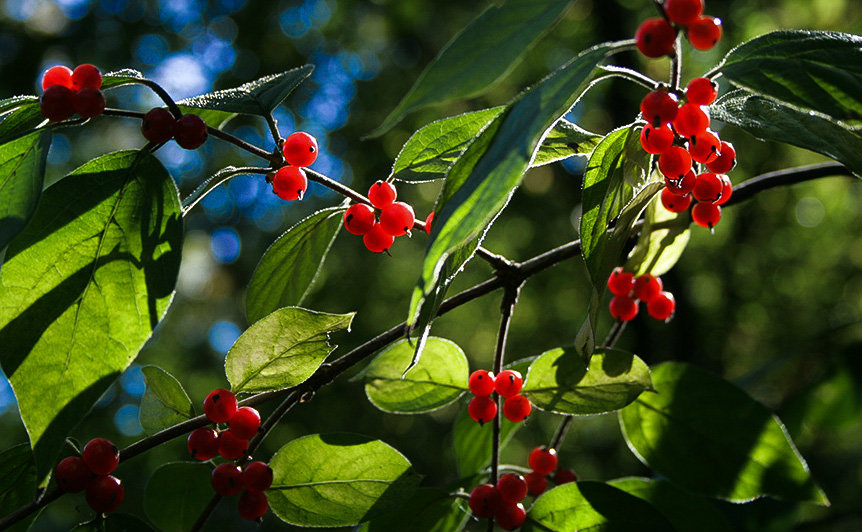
472	442
22	121
564	141
83	287
13	102
288	268
742	450
664	236
176	495
22	172
439	378
17	482
559	381
113	523
337	480
118	78
427	510
165	402
282	349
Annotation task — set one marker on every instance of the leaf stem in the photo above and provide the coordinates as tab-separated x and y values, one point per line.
631	75
214	181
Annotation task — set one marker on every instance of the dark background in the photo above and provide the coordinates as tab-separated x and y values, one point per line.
771	301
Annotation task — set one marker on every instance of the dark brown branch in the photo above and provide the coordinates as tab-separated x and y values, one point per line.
780	178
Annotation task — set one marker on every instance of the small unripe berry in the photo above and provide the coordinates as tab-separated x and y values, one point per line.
659	107
681	186
89	102
220	405
564	476
381	194
203	443
656	140
675	163
57	103
86	75
252	505
245	422
481	383
397	218
512	487
726	160
517	408
623	308
105	494
190	132
482	409
226	479
508	383
705	32
647	286
655	37
72	474
484	500
620	283
661	306
706	214
726	189
675	203
704	147
691	120
543	460
158	125
300	149
701	91
290	183
57	75
683	12
230	446
101	456
257	476
358	219
510	515
536	483
377	239
707	188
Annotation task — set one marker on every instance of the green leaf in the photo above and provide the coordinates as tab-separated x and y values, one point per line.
17	482
258	97
560	382
439	378
287	269
21	121
282	349
564	141
663	238
593	507
428	510
472	442
816	70
176	495
117	78
480	55
483	179
22	172
113	523
13	102
165	402
332	480
770	120
685	510
83	287
741	450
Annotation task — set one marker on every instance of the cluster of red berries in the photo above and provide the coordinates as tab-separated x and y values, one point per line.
68	91
290	182
680	136
92	472
383	220
220	406
507	384
655	37
228	479
628	290
543	462
160	126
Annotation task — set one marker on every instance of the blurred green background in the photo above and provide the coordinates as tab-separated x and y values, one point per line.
772	300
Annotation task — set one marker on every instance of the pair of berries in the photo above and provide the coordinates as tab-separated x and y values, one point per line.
220	406
628	290
543	462
68	91
159	126
501	502
290	182
92	472
655	36
507	384
382	221
228	479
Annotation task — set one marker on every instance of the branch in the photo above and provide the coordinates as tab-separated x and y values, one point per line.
780	178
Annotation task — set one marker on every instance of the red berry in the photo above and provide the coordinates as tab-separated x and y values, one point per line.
158	125
220	405
290	183
726	189
706	214
683	12
675	163
484	500
620	283
701	91
89	102
377	239
397	218
101	456
725	161
691	120
428	220
704	32
226	479
230	446
57	75
536	483
482	409
564	476
252	505
512	487
57	103
190	132
105	494
381	194
517	408
661	306
543	460
656	140
358	218
86	75
300	149
508	383
510	515
481	383
704	147
655	37
72	474
245	422
682	186
647	286
203	443
623	308
257	476
708	188
659	107
675	203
